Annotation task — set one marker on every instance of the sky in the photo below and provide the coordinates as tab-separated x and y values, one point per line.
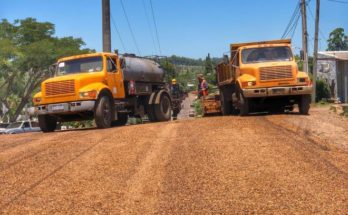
190	28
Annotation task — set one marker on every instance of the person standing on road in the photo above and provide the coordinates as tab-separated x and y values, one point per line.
175	89
202	86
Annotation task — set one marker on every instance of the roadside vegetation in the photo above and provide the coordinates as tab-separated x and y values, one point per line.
27	50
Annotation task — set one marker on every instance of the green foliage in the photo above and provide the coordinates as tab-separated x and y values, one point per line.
177	60
185	77
209	71
185	70
300	63
198	107
79	124
337	41
27	49
169	68
322	90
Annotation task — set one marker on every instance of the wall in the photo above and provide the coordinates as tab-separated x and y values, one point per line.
327	72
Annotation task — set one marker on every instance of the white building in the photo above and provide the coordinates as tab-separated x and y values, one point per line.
333	68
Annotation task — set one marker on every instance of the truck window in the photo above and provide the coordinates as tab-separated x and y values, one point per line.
81	65
266	54
236	60
111	65
26	125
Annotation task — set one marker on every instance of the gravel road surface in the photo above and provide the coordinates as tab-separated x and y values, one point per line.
266	164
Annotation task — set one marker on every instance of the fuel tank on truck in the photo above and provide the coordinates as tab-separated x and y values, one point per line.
142	70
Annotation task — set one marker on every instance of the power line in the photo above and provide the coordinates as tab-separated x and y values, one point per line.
154	21
118	32
295	25
130	28
292	20
149	25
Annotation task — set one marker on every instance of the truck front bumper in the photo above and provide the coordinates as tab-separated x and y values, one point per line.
278	91
62	108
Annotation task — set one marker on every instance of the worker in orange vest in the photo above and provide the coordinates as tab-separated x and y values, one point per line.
202	86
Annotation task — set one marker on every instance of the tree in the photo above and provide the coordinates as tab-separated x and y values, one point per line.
169	69
27	50
337	41
209	72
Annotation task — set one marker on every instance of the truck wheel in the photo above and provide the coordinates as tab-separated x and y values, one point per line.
244	105
103	113
163	110
150	109
121	120
47	123
226	106
304	104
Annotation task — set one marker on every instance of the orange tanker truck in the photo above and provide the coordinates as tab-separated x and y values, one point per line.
261	76
105	87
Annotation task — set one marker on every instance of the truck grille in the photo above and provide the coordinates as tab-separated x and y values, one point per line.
276	72
60	88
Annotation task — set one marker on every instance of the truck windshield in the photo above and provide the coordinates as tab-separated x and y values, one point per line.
257	55
82	65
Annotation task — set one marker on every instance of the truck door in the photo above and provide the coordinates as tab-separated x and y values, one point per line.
115	78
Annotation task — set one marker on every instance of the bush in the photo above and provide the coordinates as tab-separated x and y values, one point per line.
322	90
198	107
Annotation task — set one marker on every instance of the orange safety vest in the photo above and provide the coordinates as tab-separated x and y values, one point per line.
204	88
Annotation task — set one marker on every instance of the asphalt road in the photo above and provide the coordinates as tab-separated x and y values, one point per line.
280	164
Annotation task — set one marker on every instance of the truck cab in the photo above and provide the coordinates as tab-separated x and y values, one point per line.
263	75
104	87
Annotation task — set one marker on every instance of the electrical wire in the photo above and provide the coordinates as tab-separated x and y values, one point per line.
149	25
292	20
130	28
154	21
118	32
295	26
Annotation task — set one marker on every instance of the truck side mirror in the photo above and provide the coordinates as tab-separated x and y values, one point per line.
123	63
52	69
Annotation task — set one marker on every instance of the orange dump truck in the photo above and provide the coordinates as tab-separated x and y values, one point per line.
261	76
105	87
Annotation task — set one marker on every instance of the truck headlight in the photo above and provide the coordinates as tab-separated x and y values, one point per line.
251	83
248	84
89	94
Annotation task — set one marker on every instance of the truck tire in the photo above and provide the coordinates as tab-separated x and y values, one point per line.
122	119
103	113
47	123
304	104
243	105
163	110
226	106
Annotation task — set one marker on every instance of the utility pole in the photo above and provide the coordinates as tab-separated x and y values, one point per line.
106	26
315	54
304	36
